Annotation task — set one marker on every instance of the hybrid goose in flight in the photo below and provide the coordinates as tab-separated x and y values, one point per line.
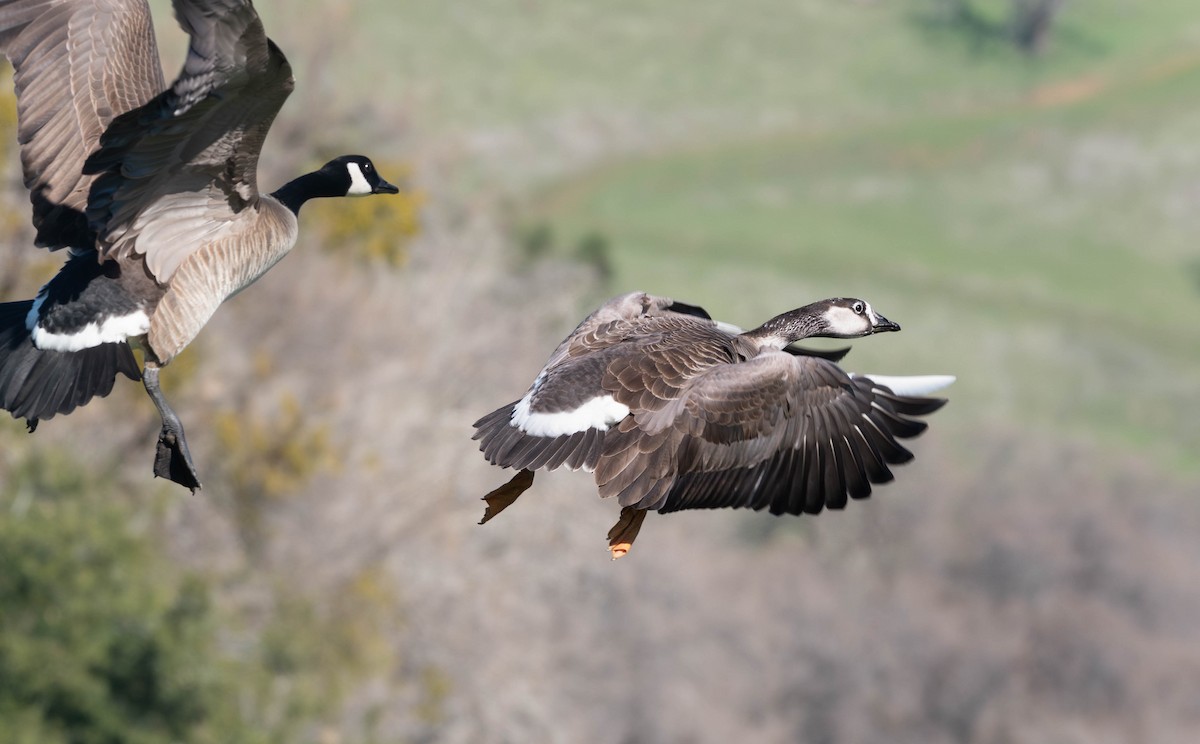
671	410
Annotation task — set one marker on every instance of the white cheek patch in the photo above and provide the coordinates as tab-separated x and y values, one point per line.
108	331
359	186
843	320
598	413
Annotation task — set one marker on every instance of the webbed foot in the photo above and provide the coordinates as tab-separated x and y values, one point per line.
173	461
625	531
501	498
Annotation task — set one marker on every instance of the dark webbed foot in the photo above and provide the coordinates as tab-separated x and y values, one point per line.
500	499
172	460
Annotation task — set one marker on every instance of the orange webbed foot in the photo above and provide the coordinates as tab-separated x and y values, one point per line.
625	531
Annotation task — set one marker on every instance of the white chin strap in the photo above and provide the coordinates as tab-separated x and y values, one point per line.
358	182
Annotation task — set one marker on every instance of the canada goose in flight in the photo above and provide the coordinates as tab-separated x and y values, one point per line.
671	410
152	189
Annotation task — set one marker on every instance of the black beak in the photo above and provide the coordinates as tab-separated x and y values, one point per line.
383	187
882	324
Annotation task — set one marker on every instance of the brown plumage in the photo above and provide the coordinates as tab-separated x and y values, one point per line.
670	410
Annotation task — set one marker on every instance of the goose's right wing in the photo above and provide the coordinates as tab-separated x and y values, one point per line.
190	155
77	64
789	433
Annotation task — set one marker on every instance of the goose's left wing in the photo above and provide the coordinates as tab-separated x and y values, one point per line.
76	65
168	171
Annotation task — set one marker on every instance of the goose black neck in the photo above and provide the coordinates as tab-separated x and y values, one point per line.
296	192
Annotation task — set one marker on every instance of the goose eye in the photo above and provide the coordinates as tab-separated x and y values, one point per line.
858	308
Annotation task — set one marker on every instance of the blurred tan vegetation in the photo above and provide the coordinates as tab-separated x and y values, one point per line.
276	455
266	458
1029	578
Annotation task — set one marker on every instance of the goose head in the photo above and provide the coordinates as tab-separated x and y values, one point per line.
349	175
837	317
357	176
848	317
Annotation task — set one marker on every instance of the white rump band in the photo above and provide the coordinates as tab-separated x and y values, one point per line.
108	331
598	413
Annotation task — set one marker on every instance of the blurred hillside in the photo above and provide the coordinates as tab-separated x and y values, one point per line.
1028	219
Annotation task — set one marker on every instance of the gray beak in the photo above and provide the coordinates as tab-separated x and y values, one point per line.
881	324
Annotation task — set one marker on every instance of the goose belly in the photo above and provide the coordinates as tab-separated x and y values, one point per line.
214	273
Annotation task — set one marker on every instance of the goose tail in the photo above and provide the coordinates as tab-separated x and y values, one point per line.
911	384
38	383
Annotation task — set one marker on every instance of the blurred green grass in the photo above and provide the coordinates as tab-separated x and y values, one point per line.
508	62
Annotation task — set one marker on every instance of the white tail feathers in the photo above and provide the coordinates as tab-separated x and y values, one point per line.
911	384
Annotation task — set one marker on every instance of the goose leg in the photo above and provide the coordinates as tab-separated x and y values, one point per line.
623	533
172	460
500	499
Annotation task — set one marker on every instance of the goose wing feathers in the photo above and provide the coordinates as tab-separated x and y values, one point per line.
77	64
653	369
613	321
792	434
570	380
190	155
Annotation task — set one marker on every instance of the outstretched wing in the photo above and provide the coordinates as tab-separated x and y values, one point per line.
790	433
169	169
77	64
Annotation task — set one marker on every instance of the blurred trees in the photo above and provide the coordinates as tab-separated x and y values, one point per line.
106	638
1032	21
1027	24
102	639
109	630
537	242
